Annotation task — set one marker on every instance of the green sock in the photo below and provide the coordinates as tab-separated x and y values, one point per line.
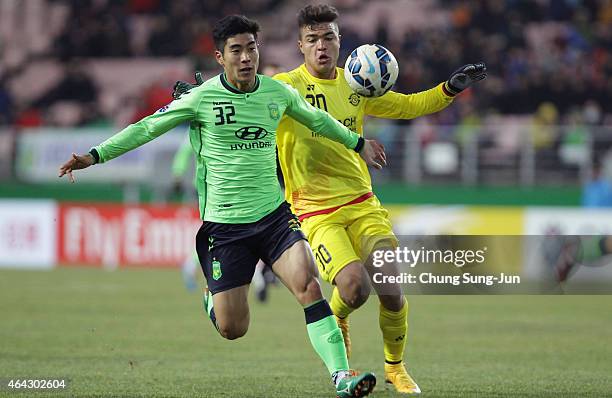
325	336
208	308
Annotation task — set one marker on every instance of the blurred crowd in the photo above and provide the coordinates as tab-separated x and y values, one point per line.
174	28
549	64
115	29
537	51
550	70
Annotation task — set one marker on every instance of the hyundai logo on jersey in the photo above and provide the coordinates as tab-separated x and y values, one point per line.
251	133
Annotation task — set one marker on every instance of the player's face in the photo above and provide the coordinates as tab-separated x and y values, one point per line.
240	59
320	45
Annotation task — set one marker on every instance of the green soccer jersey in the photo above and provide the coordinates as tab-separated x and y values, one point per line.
234	140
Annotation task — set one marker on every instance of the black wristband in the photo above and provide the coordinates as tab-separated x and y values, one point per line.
360	144
93	152
449	89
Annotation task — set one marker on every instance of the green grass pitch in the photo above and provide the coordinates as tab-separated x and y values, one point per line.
138	333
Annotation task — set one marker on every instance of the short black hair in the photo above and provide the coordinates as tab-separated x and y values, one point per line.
320	13
233	25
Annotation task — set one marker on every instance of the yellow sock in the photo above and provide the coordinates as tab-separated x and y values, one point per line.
394	326
338	306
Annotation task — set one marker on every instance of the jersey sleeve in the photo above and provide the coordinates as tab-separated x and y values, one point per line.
394	105
182	159
318	120
150	127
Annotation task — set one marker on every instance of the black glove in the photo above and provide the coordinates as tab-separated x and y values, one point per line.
463	77
181	87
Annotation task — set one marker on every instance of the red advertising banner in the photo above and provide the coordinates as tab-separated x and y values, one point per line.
118	235
27	233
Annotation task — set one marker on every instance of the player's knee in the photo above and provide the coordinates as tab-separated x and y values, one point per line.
233	331
309	290
313	288
392	302
354	291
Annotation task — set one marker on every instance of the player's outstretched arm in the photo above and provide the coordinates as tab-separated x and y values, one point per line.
394	105
135	135
76	162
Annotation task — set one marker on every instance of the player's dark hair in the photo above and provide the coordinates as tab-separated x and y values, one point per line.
320	13
233	25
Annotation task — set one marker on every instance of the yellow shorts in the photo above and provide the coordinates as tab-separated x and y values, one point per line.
348	234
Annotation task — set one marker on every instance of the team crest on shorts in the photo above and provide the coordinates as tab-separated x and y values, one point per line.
216	270
354	99
274	113
294	225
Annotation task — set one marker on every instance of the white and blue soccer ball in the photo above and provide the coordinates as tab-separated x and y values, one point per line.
371	70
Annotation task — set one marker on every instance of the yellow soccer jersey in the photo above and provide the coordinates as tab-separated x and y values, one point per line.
319	173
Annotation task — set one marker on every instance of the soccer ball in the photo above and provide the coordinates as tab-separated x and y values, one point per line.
371	70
